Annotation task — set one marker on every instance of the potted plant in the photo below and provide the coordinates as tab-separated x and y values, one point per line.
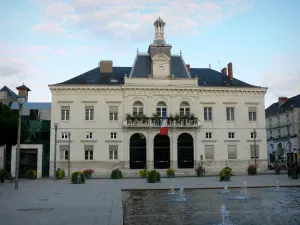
225	174
116	174
88	173
31	174
170	172
60	173
153	177
277	168
78	178
252	170
143	173
200	171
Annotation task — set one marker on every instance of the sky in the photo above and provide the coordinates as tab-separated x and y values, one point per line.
45	42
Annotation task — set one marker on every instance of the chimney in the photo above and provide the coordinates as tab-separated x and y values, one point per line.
282	100
230	72
23	92
188	66
224	71
106	66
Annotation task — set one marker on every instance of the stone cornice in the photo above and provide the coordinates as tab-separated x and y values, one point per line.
209	91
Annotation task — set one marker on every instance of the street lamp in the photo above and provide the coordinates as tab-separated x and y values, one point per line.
55	144
21	101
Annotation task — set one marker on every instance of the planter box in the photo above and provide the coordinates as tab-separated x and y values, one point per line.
171	176
88	175
277	171
294	175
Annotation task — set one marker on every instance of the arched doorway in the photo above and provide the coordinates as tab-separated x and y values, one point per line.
161	151
138	151
280	151
185	151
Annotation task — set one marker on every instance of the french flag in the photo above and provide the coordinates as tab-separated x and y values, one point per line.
164	126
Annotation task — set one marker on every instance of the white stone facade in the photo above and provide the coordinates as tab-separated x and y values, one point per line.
150	92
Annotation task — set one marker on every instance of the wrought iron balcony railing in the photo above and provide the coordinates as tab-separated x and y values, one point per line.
157	122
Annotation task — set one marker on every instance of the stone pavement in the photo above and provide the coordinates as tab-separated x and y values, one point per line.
99	201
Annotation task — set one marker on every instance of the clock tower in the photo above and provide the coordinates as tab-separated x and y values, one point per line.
160	52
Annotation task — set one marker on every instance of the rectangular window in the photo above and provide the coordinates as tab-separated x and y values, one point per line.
208	135
252	113
113	135
89	135
208	113
232	152
254	149
254	134
64	135
231	135
89	113
279	133
113	113
270	134
113	152
184	111
64	152
230	113
88	152
209	152
65	113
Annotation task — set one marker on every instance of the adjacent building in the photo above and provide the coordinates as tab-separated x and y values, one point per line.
7	96
283	128
110	116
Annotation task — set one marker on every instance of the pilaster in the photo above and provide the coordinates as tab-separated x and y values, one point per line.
126	150
150	151
174	150
197	148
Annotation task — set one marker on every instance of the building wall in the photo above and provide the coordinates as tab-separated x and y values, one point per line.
124	97
283	129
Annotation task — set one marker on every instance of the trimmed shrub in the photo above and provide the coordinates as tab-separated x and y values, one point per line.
153	177
60	173
170	172
143	173
116	174
225	174
31	174
78	178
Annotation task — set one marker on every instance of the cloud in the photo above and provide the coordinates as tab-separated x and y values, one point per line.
15	68
133	20
50	27
283	79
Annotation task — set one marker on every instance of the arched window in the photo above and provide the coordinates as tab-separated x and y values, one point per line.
184	109
137	109
161	108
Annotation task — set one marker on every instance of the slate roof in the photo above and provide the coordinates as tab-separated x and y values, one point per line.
142	69
291	103
10	93
32	105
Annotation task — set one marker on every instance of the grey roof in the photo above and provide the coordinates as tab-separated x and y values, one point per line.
10	93
32	105
23	87
142	69
291	103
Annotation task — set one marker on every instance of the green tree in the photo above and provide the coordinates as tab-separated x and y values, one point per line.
9	127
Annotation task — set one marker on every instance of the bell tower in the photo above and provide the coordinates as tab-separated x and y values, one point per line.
159	25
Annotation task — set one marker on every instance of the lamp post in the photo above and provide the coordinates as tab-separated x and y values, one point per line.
55	144
69	160
21	101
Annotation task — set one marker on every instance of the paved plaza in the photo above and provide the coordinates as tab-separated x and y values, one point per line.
99	201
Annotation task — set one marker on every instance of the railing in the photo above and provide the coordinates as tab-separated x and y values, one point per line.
156	123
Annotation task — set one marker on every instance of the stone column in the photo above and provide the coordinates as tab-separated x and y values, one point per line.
150	151
13	161
39	161
174	150
126	150
197	152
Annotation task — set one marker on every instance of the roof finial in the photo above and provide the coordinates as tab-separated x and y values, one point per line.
180	53
159	25
137	51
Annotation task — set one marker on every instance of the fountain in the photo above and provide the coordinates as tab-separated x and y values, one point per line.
225	190
225	215
244	193
172	191
181	195
277	186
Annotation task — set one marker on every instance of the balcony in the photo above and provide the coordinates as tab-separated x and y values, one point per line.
156	122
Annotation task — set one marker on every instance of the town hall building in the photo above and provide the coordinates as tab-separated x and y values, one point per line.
110	117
